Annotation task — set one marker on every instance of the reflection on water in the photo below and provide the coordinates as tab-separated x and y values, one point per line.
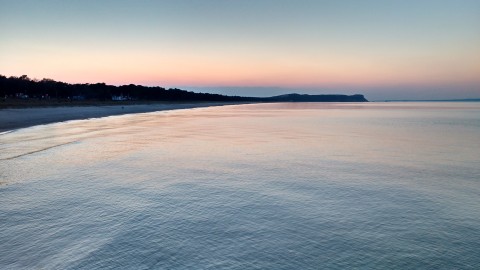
261	186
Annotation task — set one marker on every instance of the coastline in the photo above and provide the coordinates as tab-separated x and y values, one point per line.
12	119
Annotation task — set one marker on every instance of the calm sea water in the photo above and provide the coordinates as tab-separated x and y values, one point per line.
261	186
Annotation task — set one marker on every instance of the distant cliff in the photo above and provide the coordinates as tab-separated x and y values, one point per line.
318	98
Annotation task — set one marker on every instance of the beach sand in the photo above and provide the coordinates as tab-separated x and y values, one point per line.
11	119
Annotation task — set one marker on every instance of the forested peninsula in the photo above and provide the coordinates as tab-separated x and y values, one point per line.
22	90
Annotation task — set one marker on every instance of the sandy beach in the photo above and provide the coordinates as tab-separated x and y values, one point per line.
11	119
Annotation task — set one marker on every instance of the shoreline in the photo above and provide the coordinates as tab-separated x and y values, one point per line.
13	119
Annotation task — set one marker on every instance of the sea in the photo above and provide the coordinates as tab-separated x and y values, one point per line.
378	185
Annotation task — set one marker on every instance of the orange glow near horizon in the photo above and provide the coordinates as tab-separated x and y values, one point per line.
205	67
176	69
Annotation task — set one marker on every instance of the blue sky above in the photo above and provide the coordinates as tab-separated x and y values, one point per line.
385	49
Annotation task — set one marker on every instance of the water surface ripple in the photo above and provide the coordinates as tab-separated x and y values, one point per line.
260	186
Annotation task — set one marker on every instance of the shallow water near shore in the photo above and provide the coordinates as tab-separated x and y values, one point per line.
258	186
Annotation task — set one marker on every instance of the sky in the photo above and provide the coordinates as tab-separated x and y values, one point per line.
405	49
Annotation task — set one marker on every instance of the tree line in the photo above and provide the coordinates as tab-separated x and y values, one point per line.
24	87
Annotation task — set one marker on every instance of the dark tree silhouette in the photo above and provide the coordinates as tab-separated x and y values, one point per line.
23	86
